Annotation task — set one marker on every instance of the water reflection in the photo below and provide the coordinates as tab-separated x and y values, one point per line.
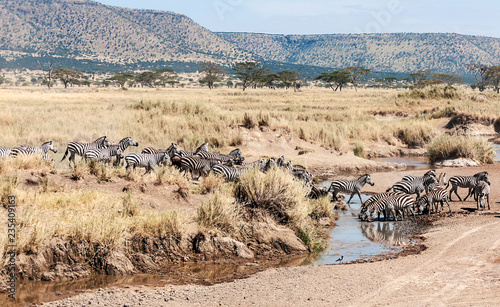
496	147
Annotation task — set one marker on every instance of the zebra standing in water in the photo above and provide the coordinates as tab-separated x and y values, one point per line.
105	154
24	151
350	186
395	204
415	186
77	148
469	182
148	161
432	200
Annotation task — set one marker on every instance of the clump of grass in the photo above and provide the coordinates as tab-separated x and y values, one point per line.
302	134
415	135
220	213
310	236
264	120
433	92
8	187
249	121
211	183
322	208
130	207
79	170
165	225
359	150
460	146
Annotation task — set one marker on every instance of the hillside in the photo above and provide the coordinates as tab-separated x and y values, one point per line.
402	52
87	35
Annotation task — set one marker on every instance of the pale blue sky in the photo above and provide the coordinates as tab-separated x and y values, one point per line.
479	17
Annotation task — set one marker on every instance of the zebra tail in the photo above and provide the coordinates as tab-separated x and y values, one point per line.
65	154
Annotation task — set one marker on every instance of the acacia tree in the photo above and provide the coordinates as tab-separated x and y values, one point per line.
249	73
122	78
492	77
167	76
479	71
356	73
336	79
48	74
66	75
448	79
420	78
289	78
213	73
147	78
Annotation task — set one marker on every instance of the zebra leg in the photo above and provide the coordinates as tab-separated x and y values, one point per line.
349	201
468	194
455	188
488	200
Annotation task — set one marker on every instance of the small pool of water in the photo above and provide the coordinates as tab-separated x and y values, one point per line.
496	147
411	162
356	240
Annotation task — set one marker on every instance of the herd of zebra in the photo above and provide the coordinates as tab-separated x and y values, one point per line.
398	202
197	163
202	161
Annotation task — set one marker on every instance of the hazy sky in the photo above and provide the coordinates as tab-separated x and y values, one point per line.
478	17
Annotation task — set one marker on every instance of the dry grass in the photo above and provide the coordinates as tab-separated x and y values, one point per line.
458	146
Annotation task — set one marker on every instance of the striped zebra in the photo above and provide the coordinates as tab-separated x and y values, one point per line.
196	165
5	152
432	199
416	186
440	184
228	172
259	163
148	161
482	191
317	192
393	205
349	186
105	154
427	174
304	176
367	205
184	153
469	182
77	148
25	151
233	155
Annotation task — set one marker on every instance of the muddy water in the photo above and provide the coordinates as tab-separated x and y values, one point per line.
354	240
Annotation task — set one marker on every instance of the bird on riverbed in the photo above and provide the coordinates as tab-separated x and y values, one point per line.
340	259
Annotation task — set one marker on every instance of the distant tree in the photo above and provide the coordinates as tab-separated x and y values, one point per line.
48	74
122	78
420	78
229	84
66	75
269	80
289	78
479	71
492	77
448	79
213	73
249	73
2	79
167	76
356	73
148	78
336	79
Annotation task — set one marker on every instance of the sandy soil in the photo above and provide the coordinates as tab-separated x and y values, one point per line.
461	266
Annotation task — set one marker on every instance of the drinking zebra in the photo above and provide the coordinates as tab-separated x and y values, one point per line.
432	199
469	182
392	205
349	186
148	161
78	148
367	205
197	165
415	186
105	154
25	151
482	191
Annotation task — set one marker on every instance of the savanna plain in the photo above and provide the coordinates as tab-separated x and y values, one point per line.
77	220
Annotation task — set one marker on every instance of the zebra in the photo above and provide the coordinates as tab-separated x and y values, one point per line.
441	182
259	163
5	152
393	205
105	154
77	148
195	164
24	151
466	182
432	200
233	155
303	176
352	186
203	147
482	191
370	201
427	174
148	161
317	192
230	173
415	186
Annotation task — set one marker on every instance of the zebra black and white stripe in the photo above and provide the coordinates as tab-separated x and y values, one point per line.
469	182
392	205
432	199
148	161
228	172
350	186
5	152
233	155
367	205
78	148
25	151
427	174
201	148
105	154
482	191
197	165
416	186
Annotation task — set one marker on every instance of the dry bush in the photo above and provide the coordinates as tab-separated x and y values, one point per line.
211	183
165	225
459	146
220	213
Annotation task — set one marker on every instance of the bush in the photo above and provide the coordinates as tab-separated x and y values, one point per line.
459	146
221	214
359	150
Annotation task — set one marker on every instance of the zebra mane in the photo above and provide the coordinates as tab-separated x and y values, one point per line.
124	139
203	147
46	143
102	138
